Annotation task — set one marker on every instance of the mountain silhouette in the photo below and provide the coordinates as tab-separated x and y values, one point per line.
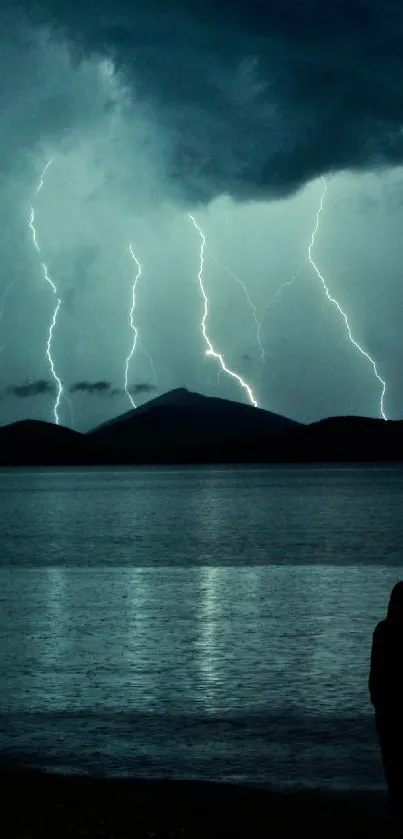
181	419
185	427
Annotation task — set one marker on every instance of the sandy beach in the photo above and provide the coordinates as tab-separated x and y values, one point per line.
44	805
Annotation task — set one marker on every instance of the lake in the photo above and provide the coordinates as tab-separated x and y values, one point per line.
209	623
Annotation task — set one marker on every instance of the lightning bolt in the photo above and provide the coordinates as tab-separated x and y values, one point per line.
133	326
337	304
151	363
248	299
210	349
287	284
42	177
49	281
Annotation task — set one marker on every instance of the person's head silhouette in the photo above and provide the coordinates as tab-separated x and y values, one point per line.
395	608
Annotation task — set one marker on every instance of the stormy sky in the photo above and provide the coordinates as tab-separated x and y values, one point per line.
234	113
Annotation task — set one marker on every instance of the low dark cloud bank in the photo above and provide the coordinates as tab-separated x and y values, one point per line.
253	97
141	387
99	388
103	388
37	388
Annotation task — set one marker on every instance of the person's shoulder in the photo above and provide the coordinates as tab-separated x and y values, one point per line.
381	628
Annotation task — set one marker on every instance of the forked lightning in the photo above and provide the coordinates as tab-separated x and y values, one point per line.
203	325
49	281
132	323
249	301
337	304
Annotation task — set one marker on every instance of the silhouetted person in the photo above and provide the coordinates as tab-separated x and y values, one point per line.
386	691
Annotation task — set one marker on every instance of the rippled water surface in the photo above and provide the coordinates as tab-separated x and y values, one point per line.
210	623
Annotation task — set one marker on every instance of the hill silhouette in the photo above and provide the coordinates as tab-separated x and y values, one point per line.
37	442
180	420
185	427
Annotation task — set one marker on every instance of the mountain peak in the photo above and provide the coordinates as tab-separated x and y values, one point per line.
177	396
182	417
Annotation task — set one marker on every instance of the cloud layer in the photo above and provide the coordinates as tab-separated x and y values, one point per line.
253	97
141	388
100	388
38	388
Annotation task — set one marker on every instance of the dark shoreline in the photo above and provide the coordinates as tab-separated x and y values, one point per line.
57	806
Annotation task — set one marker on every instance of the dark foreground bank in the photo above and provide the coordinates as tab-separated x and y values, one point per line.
36	804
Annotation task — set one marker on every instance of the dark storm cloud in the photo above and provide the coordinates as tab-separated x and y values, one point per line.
253	97
37	388
141	387
101	387
40	105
